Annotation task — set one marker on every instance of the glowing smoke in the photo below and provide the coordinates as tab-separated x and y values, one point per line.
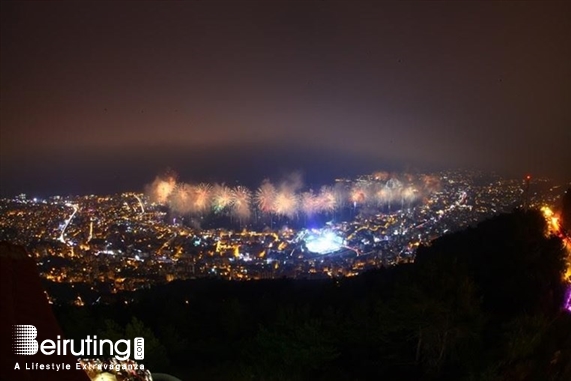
160	189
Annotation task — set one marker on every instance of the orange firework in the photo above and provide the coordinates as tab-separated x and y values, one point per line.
202	194
286	203
265	197
308	203
240	201
221	197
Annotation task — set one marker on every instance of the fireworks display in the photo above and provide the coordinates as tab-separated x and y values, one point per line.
221	198
161	189
265	197
202	197
241	199
288	198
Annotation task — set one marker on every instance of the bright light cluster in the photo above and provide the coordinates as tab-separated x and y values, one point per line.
554	227
322	241
567	300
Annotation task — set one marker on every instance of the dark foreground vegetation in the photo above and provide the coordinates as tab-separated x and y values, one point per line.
481	304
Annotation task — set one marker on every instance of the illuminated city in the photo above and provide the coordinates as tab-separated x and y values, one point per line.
177	231
285	190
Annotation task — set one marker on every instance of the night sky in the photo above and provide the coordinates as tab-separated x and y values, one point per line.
103	96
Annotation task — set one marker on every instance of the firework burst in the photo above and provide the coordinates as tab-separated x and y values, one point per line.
328	201
241	198
181	198
358	195
161	189
221	197
286	203
308	203
202	194
265	197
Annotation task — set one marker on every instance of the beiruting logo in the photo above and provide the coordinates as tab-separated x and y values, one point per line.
25	343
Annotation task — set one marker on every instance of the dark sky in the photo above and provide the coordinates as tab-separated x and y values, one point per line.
100	97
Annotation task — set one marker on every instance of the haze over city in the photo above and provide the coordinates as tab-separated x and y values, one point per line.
102	96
